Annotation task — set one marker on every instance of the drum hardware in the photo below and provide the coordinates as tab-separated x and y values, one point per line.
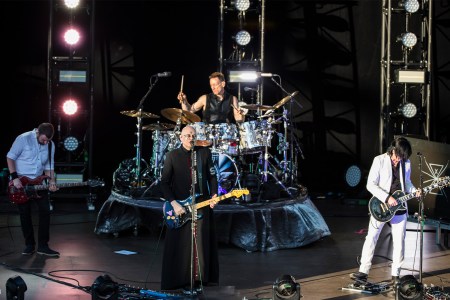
266	172
184	116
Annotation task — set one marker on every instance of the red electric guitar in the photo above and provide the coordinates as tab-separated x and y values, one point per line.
31	186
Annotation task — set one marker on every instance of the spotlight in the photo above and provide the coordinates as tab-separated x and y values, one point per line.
15	288
71	36
285	288
242	5
411	6
243	38
243	76
409	288
408	39
353	176
408	110
71	3
71	143
70	107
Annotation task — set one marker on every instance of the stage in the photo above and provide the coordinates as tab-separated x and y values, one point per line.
260	226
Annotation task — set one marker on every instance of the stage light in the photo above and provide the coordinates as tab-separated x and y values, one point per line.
71	3
70	107
285	288
71	36
411	6
353	176
410	76
408	110
243	76
242	5
243	38
71	143
408	39
15	288
409	288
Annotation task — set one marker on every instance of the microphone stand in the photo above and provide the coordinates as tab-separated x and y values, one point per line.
153	81
421	216
194	219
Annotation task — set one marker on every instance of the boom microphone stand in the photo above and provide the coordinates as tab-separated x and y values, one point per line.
421	215
194	218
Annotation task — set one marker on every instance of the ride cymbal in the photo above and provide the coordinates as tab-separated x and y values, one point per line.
159	126
256	107
137	114
185	116
284	100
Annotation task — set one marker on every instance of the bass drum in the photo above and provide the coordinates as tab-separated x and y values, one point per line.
227	172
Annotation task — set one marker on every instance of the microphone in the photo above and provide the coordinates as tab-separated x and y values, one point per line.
163	74
247	89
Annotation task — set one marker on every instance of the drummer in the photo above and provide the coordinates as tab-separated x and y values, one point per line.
218	106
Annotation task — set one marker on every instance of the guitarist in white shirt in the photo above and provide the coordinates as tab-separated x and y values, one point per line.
389	172
29	157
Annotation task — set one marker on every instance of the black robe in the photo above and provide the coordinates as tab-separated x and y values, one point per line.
176	185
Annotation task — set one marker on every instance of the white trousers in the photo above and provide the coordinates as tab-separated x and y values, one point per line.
398	230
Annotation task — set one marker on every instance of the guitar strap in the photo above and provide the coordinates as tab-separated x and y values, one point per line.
402	164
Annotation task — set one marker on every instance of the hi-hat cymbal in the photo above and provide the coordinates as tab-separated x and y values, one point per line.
284	100
257	106
185	116
158	126
137	114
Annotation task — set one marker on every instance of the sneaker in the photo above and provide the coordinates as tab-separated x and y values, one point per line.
28	250
47	251
359	276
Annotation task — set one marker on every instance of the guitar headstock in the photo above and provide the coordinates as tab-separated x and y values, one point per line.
239	192
95	183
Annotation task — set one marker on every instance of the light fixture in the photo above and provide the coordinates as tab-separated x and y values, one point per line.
15	288
104	288
70	107
242	5
411	6
409	288
408	39
71	143
410	76
243	38
353	176
71	3
71	36
286	288
408	110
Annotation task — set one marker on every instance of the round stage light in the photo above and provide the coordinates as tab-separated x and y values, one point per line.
409	288
412	6
242	5
285	287
70	107
71	36
71	143
243	38
353	176
409	39
408	110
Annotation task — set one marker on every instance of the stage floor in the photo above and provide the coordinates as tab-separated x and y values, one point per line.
322	268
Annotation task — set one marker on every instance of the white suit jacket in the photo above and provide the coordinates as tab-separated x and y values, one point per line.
380	177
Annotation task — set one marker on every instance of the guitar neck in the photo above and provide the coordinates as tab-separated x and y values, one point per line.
59	185
215	199
413	195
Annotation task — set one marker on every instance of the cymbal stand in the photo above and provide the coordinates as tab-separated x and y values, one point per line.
267	172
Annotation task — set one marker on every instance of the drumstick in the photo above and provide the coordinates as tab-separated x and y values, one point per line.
182	80
239	111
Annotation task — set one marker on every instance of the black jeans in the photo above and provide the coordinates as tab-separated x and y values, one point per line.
43	205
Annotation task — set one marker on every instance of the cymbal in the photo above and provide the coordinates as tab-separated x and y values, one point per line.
136	114
257	106
185	116
284	100
158	126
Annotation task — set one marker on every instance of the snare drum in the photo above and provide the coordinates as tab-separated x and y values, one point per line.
202	132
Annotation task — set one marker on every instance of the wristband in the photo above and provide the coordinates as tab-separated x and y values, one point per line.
13	175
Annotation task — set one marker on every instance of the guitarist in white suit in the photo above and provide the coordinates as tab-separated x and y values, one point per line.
389	172
29	157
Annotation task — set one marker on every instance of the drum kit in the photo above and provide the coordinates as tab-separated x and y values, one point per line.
239	150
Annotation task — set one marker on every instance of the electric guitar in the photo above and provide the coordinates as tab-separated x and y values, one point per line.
31	186
382	212
173	221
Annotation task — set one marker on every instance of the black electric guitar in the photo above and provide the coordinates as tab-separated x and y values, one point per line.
174	221
31	186
382	212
